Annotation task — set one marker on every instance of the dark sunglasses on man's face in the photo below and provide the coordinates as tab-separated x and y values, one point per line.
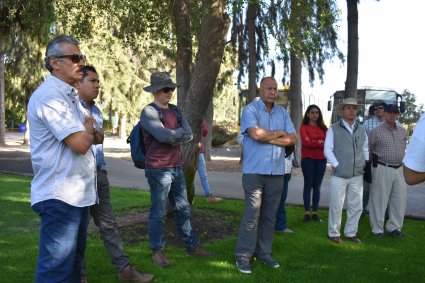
75	58
167	89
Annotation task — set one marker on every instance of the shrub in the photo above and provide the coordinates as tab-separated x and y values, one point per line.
222	133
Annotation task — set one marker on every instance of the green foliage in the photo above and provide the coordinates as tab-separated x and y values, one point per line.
413	111
223	132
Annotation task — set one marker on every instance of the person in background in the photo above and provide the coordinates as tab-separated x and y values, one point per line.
280	225
346	148
376	112
414	161
313	161
387	143
267	129
102	212
63	161
202	169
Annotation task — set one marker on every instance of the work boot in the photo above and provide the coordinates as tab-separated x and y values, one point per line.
213	199
158	257
198	252
129	273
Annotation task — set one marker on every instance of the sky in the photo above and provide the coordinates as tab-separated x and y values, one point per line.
391	49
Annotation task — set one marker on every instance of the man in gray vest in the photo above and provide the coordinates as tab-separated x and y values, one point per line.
346	148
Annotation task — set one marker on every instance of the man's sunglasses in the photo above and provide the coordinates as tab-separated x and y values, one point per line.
75	58
167	89
379	107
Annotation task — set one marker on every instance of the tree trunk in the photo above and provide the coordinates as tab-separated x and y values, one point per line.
2	106
353	49
252	51
181	19
122	133
208	139
295	96
212	39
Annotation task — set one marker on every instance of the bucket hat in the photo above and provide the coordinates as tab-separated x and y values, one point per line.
160	80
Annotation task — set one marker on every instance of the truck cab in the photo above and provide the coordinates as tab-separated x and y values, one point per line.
365	98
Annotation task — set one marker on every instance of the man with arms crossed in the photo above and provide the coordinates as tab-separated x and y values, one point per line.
102	212
346	148
267	129
163	138
64	183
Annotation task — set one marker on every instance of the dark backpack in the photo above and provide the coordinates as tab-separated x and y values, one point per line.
135	139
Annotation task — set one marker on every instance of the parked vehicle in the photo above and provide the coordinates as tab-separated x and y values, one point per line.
365	97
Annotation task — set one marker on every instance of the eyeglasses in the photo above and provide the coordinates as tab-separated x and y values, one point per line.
75	58
167	89
379	107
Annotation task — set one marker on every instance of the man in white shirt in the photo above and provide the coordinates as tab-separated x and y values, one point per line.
414	160
346	148
64	184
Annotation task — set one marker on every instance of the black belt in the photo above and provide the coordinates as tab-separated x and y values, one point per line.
389	165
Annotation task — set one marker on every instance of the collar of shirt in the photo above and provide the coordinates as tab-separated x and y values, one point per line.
348	127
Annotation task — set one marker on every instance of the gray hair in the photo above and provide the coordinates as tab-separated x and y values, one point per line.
54	48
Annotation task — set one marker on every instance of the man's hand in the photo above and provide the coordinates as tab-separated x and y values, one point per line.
89	124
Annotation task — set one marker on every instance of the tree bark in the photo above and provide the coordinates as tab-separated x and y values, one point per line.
2	106
208	139
181	19
295	99
353	49
215	24
122	133
252	51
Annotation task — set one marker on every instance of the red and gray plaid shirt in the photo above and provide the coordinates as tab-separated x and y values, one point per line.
388	143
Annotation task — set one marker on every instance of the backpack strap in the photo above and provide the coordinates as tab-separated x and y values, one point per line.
171	106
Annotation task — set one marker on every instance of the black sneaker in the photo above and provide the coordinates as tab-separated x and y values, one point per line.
306	217
269	261
397	233
316	217
379	235
243	265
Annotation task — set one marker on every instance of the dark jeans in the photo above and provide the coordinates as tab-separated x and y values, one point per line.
313	172
168	183
63	234
280	224
104	218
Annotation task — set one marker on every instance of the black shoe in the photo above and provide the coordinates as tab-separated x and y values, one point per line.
379	235
397	233
316	217
306	217
243	264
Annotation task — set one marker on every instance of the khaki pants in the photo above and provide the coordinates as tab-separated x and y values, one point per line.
388	188
340	189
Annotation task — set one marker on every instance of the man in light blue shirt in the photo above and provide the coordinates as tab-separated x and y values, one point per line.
64	183
267	129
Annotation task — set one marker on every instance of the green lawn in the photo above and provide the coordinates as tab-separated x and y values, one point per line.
306	256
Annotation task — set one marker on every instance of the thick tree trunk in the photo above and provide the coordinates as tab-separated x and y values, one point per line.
122	133
353	49
181	19
295	99
252	51
2	106
212	39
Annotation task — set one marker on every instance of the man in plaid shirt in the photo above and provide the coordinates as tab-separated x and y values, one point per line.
387	144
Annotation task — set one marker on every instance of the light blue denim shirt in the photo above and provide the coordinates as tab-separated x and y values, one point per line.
97	115
59	172
264	158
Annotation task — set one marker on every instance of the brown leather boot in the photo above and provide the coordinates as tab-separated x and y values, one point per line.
158	257
129	273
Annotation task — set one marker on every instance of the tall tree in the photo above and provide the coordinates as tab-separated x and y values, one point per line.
413	110
20	19
251	16
353	49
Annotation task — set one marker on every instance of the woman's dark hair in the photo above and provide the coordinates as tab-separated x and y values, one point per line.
320	121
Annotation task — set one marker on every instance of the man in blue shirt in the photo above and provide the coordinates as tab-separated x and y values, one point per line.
267	129
102	212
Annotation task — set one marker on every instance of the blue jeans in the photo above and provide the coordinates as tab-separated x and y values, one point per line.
168	183
280	224
63	234
202	172
313	172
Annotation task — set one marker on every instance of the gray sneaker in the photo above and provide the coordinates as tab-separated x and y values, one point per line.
243	264
269	261
159	259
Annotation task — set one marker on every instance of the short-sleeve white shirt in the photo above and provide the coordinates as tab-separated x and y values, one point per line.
59	172
415	154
